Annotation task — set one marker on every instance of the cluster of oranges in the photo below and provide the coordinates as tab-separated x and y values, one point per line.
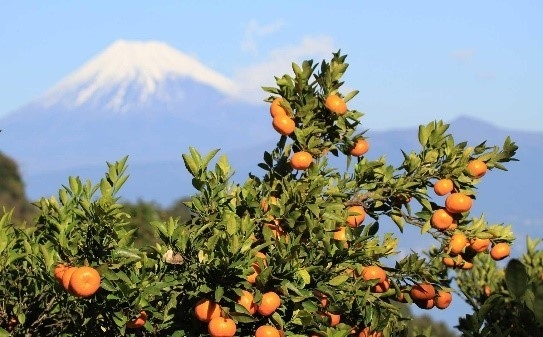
78	281
462	249
425	296
218	325
284	124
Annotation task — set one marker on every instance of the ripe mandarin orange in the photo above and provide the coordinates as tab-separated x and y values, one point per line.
137	322
276	109
85	281
441	219
452	262
66	276
366	332
269	303
374	272
457	243
381	287
335	104
323	298
458	203
443	186
301	160
358	214
476	168
360	148
425	304
256	267
59	271
283	124
246	300
334	319
221	327
500	251
267	331
339	233
422	292
479	245
443	299
205	310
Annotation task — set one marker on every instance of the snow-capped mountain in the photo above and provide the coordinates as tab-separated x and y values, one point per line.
130	75
144	99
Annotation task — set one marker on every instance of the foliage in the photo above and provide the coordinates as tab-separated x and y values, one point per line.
287	232
508	301
12	192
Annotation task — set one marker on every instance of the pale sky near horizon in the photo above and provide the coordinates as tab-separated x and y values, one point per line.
412	61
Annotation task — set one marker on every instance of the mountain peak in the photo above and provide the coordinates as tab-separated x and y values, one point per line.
127	66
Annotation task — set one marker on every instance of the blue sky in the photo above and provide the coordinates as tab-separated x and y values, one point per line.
412	61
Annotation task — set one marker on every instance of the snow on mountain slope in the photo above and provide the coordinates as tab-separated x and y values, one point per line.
110	78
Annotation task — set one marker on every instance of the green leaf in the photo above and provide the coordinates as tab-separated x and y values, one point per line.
338	280
304	276
424	134
538	302
190	164
516	278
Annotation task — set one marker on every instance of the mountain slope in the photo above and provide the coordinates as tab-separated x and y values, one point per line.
142	99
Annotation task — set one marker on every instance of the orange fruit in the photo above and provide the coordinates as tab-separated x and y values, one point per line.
301	160
256	266
500	251
458	203
425	304
465	265
339	233
443	299
137	322
85	281
66	276
357	218
276	109
252	278
205	310
283	124
335	104
374	272
381	287
441	219
443	186
487	290
366	332
59	271
479	245
476	168
457	243
221	327
360	148
246	300
452	262
269	303
422	292
267	331
334	319
277	230
323	298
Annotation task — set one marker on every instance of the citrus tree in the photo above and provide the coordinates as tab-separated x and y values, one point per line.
302	249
